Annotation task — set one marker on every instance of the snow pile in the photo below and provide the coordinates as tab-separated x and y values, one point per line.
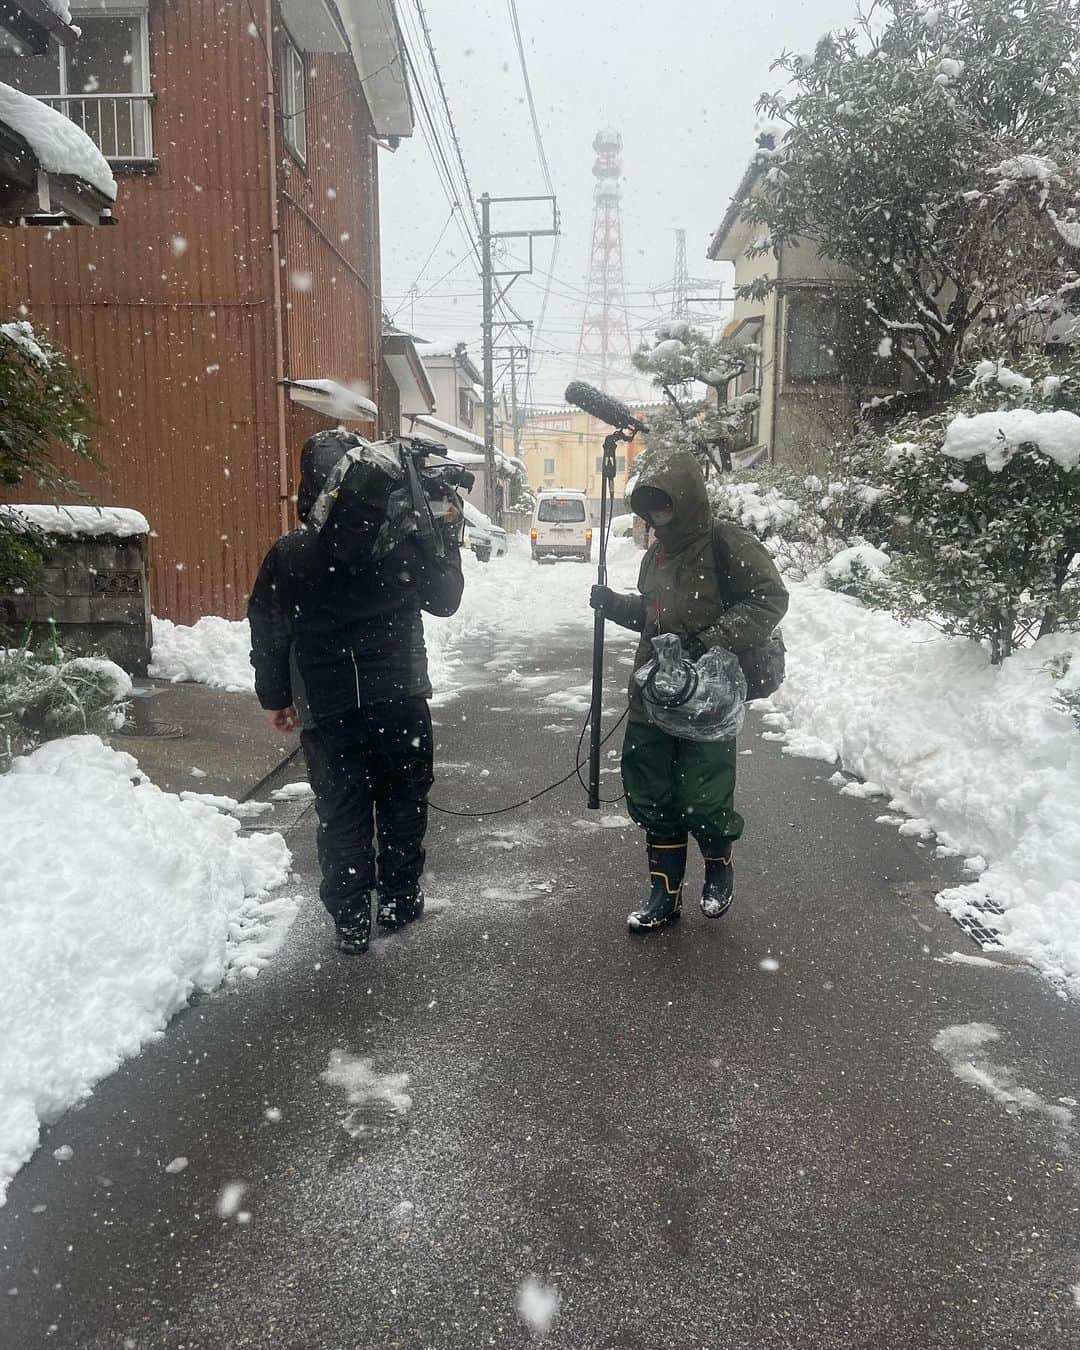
117	902
59	145
988	757
870	559
997	436
82	522
212	651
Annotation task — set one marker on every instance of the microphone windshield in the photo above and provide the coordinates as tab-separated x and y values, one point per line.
599	405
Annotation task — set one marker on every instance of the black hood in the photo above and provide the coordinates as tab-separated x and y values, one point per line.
350	522
319	455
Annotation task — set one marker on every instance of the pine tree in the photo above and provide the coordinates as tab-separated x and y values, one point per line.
710	428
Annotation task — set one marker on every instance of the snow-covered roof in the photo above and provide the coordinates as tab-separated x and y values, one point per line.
59	146
84	522
475	444
332	399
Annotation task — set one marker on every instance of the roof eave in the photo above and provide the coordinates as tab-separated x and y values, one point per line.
379	56
34	22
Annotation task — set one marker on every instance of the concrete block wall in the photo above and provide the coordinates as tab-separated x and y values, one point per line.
96	590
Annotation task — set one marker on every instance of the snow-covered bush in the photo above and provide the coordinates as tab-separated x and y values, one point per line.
42	699
861	571
710	428
984	496
45	412
805	520
934	151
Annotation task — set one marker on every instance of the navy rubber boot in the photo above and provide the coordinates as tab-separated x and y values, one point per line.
667	866
719	888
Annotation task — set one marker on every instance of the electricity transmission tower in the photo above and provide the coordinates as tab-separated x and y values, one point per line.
681	285
604	347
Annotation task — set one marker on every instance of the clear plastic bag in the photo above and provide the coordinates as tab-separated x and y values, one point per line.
701	700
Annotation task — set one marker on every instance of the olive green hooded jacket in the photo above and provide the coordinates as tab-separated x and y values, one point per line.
683	591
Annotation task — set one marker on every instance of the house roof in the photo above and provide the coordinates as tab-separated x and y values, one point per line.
33	23
719	246
407	371
50	170
470	448
447	349
375	42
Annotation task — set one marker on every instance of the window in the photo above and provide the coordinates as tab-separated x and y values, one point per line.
549	466
620	464
102	82
293	97
813	338
561	511
465	407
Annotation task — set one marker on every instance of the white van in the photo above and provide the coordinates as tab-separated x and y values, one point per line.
561	526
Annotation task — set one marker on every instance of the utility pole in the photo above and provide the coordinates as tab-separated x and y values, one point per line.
493	295
513	407
490	494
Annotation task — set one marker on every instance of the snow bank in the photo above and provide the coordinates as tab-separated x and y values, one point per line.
983	754
83	522
117	902
59	145
511	596
212	651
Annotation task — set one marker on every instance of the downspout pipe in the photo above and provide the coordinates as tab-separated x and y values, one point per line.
275	262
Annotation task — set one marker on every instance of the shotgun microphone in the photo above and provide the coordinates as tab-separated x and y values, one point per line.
602	406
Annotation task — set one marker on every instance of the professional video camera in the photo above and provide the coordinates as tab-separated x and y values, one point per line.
394	478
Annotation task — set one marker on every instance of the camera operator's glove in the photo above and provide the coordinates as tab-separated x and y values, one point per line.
601	598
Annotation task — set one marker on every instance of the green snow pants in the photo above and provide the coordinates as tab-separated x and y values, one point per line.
675	787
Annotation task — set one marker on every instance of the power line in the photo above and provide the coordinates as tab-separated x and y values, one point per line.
529	94
423	268
446	108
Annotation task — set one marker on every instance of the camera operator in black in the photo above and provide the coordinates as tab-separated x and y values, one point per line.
338	649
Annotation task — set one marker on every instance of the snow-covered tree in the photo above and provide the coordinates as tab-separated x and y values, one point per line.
984	496
43	414
711	426
933	149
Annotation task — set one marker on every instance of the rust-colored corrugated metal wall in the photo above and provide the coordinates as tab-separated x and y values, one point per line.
170	314
329	224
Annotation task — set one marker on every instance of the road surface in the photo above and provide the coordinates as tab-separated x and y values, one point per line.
734	1134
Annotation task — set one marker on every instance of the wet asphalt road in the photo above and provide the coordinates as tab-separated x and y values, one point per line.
693	1150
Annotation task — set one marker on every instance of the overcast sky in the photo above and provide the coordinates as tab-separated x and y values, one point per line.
678	79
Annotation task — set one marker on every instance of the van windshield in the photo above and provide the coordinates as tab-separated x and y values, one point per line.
561	511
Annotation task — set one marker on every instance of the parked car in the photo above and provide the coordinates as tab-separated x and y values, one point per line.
486	539
622	527
561	526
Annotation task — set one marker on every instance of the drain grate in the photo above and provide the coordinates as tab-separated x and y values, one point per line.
980	933
161	731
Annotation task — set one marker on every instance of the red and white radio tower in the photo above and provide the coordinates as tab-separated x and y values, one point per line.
603	355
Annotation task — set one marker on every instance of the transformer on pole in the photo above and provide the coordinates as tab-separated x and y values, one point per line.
604	346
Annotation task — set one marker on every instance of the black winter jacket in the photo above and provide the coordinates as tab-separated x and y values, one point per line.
349	627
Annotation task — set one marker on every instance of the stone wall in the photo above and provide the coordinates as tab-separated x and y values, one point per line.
96	590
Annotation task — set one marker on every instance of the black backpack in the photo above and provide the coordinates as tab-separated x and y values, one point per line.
764	665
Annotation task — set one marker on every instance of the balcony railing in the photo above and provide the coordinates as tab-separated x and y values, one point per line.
118	124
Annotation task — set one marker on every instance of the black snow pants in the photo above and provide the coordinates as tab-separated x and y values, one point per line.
370	769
